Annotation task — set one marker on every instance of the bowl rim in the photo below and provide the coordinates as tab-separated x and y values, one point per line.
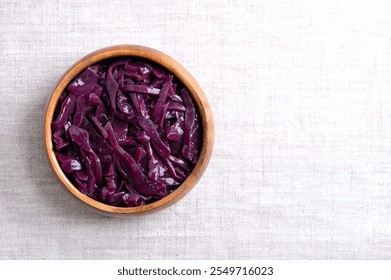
181	74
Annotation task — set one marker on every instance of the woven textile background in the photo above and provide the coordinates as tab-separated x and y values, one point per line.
301	95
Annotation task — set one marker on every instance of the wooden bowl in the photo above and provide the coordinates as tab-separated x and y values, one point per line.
181	74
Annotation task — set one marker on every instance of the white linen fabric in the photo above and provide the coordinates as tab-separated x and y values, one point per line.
300	92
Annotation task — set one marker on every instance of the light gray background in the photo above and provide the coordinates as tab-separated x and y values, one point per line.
301	95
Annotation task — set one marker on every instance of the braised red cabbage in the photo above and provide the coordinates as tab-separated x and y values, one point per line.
126	132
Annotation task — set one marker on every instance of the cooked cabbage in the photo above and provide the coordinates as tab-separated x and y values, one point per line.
126	132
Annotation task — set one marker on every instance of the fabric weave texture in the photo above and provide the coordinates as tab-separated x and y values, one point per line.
300	92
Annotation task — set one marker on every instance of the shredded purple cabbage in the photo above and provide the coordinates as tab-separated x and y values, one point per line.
126	132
